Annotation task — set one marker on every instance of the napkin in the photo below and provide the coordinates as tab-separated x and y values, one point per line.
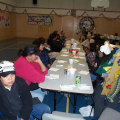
67	44
83	72
81	53
66	52
67	87
82	57
64	49
64	55
61	61
81	64
59	65
84	87
52	76
53	69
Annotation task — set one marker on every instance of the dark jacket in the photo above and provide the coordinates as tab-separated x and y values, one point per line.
45	58
56	46
26	99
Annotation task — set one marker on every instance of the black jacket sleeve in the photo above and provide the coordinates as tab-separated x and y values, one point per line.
26	99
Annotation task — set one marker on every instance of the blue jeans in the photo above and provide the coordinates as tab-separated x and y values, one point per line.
38	111
93	77
38	93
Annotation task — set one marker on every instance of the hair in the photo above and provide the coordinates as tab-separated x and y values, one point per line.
28	50
93	47
39	41
62	31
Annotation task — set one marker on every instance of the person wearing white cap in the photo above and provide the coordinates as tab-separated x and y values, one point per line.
16	102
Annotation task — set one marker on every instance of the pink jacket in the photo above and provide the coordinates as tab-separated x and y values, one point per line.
30	72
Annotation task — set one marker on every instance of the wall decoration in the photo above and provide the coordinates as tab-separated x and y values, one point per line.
4	21
73	12
40	20
86	22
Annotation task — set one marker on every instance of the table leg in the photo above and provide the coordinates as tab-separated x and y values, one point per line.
67	105
75	99
55	95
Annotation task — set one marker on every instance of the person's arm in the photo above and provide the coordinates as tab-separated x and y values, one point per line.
26	99
42	66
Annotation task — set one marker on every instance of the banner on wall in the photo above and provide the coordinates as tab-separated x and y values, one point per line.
40	20
4	21
86	22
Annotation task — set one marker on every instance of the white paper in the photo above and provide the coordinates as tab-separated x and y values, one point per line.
59	65
81	64
61	61
52	76
66	52
83	72
81	53
64	49
67	44
84	87
53	69
82	57
64	55
76	60
67	87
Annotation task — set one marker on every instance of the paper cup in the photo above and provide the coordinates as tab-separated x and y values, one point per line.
72	40
74	45
71	61
72	71
74	52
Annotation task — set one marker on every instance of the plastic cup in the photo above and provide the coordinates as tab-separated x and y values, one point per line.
71	61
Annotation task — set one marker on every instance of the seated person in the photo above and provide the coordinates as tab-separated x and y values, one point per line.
15	99
87	41
62	36
30	67
55	45
83	37
42	53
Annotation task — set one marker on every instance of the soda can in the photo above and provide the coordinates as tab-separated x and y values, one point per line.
65	71
78	80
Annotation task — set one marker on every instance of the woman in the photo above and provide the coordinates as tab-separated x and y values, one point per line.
30	67
42	52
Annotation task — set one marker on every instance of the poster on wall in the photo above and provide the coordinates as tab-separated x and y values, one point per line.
4	21
86	22
40	20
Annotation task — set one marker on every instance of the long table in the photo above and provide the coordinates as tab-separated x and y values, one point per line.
68	80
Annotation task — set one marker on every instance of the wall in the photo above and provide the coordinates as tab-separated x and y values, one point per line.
67	23
23	8
8	32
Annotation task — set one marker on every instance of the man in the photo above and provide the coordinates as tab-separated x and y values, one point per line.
15	98
87	41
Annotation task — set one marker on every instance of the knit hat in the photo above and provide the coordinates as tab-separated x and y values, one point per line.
30	49
6	68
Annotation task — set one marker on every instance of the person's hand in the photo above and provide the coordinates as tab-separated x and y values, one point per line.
37	59
106	78
49	65
49	54
65	45
92	63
